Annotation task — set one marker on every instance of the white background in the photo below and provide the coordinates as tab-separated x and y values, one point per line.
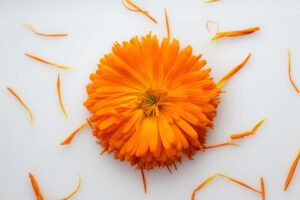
260	90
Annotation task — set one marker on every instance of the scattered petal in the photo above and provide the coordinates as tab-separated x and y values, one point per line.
211	1
291	172
36	189
137	9
45	34
229	143
248	133
289	71
75	190
236	33
232	72
211	178
22	103
262	184
59	96
167	24
70	137
47	62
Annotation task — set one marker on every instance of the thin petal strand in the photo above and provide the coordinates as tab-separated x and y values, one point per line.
211	178
45	34
47	62
138	9
291	171
59	96
229	143
75	190
289	71
35	186
236	33
69	139
22	103
167	24
248	133
232	72
262	185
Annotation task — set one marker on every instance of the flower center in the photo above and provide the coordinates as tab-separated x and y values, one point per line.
152	102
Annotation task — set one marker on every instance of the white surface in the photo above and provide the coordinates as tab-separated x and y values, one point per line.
260	89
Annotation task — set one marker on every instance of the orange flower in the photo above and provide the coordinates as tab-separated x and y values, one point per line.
152	102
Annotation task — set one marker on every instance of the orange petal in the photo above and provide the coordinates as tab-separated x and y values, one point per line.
137	9
59	96
248	133
211	1
75	190
229	143
45	34
262	184
232	72
203	184
289	71
22	103
36	189
240	183
167	24
247	31
47	62
258	125
291	172
70	137
224	176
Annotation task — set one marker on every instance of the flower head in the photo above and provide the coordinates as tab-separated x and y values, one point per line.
152	102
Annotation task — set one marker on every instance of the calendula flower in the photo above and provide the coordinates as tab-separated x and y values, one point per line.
152	102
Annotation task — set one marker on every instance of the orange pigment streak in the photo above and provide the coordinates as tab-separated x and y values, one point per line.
248	133
220	35
71	136
232	72
289	71
47	62
22	103
45	34
226	177
75	190
59	96
36	189
138	9
291	171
